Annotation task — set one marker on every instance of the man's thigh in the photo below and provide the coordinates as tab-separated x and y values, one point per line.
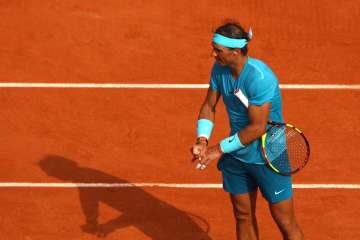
236	178
273	186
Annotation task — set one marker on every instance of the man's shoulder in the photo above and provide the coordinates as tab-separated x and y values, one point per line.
260	78
260	70
257	67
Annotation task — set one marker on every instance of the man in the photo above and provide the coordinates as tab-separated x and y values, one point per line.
241	163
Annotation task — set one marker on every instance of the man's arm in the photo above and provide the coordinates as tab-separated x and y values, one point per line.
258	116
207	110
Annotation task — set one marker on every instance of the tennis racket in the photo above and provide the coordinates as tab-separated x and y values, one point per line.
285	148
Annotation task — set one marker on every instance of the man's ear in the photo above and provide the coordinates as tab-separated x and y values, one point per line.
237	51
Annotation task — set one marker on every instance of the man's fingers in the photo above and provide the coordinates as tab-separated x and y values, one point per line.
201	165
207	161
199	154
204	163
196	151
194	158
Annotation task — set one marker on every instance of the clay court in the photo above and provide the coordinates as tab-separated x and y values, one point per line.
121	152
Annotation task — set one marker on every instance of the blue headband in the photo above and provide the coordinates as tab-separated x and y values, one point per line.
229	42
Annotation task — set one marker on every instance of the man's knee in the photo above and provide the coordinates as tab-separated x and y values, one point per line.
288	226
284	216
242	214
244	210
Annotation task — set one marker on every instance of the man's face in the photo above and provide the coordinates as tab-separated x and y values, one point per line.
222	55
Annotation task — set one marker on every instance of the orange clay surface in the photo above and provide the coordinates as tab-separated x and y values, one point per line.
132	135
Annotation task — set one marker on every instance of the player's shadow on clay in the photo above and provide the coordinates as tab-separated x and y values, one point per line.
155	218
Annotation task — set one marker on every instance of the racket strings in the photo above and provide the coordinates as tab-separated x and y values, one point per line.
286	148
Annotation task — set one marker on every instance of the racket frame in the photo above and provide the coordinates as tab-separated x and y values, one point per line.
268	163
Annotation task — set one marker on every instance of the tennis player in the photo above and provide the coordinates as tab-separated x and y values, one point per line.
240	160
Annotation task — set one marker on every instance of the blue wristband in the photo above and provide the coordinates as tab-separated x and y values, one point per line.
204	128
231	144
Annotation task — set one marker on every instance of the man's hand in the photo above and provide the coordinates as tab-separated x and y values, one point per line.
198	151
212	153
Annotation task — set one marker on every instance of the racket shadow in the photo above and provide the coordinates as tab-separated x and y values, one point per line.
157	219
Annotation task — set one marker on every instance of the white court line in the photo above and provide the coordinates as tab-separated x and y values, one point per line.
158	185
167	86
